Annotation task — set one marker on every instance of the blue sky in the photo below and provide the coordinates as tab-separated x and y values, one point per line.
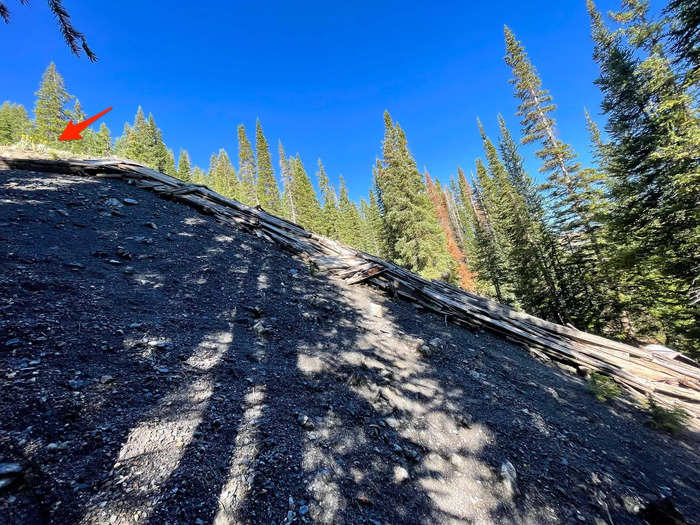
317	74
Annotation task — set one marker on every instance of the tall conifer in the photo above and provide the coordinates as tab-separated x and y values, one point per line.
349	224
286	170
414	237
268	191
331	219
50	114
651	157
306	206
14	123
184	170
246	169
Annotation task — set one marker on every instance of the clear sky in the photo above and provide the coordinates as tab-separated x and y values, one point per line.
317	74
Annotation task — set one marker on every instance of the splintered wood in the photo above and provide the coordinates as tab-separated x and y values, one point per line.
668	376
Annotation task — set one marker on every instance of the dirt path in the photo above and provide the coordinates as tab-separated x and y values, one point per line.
157	367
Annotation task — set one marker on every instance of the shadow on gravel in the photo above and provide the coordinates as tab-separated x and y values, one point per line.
172	370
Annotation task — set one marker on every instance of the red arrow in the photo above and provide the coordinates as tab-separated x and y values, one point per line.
73	131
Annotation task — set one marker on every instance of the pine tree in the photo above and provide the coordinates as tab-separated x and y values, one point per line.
519	178
159	156
103	142
97	144
198	176
366	234
121	143
569	191
464	197
521	231
414	237
50	114
331	219
143	142
302	194
540	236
78	115
288	208
222	176
133	144
574	194
169	167
492	241
349	223
246	169
596	140
268	191
213	160
374	223
651	157
184	171
456	223
14	123
684	38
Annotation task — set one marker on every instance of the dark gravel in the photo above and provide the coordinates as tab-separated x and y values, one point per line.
157	367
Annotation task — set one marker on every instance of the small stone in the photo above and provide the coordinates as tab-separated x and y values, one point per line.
475	375
114	262
509	476
7	469
435	343
76	266
162	370
131	202
400	474
305	422
631	504
151	225
291	515
260	328
552	393
113	203
303	510
106	379
12	342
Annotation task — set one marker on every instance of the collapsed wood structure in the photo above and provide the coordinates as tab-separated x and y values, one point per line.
671	378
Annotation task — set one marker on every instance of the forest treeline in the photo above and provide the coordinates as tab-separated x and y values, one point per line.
613	247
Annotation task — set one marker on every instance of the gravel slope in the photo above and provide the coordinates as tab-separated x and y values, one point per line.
157	367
